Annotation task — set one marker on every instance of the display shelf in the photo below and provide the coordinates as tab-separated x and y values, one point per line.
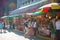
43	37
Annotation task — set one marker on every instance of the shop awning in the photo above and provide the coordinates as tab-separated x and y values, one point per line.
44	10
49	7
29	8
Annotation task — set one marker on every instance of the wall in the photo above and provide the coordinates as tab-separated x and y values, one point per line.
9	5
2	7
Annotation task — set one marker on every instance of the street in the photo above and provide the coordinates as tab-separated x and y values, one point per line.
14	35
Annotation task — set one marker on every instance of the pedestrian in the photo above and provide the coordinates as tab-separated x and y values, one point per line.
52	29
26	25
1	26
58	29
30	31
4	26
34	25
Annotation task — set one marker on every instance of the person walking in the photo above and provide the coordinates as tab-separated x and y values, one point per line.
1	26
34	25
26	25
4	26
52	29
58	29
30	31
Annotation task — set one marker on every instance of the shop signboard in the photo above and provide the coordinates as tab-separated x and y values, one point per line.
29	8
55	6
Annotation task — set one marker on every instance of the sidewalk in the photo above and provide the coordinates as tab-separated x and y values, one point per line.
31	38
20	33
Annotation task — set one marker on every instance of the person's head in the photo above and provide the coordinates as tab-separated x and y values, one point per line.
34	20
53	17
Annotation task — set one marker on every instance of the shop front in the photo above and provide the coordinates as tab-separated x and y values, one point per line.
43	27
45	13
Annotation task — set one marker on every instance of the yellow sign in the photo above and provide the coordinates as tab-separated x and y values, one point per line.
55	6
